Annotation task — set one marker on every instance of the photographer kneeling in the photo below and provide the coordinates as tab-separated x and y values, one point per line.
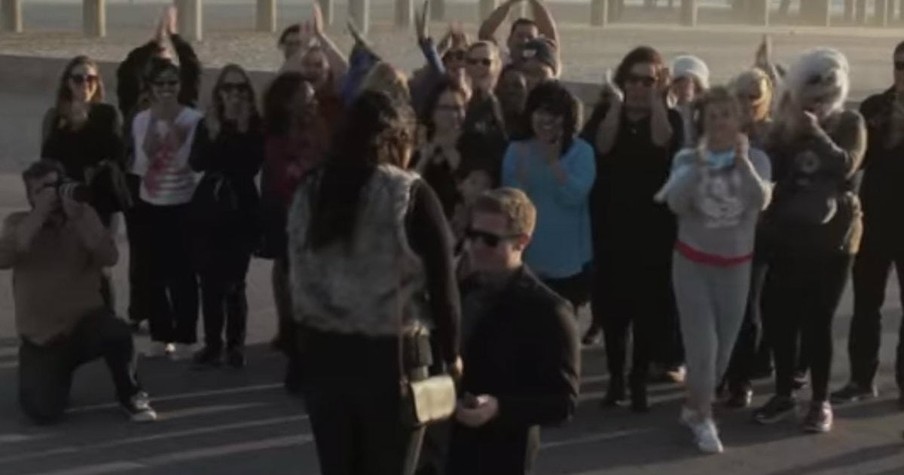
57	252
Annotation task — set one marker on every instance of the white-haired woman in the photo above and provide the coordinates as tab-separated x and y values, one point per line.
813	227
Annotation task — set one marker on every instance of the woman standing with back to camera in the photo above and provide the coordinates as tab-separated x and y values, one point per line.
813	227
371	260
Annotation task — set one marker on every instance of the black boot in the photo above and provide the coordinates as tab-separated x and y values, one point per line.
639	401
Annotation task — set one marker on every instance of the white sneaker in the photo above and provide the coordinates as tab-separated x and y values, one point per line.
707	436
688	417
182	352
158	349
139	408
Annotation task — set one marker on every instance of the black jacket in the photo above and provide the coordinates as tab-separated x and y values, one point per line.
809	171
881	192
524	351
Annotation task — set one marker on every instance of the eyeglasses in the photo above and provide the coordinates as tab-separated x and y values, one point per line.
484	61
169	83
899	65
488	239
645	81
83	78
752	97
228	87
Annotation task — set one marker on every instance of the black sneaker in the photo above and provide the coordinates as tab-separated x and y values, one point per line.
854	392
740	397
639	401
777	409
207	357
819	418
139	408
235	358
593	337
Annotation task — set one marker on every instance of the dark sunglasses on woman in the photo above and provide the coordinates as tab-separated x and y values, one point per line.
83	78
228	87
484	61
645	81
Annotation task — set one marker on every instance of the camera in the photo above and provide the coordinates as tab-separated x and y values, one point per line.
74	190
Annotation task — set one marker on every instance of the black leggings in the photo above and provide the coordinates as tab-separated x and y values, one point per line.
802	295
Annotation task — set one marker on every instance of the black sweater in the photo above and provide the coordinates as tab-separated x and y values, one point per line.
624	217
881	191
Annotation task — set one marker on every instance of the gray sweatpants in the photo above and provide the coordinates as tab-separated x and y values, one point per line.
711	304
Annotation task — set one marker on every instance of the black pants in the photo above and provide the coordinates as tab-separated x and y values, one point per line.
45	371
871	270
575	289
223	266
802	296
352	395
493	449
636	295
172	287
139	274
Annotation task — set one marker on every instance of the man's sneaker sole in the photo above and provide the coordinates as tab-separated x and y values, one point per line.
782	416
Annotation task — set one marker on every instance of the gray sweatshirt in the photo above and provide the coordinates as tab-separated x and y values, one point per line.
718	208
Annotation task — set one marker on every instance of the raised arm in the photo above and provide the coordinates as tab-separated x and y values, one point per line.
575	173
546	24
489	26
338	61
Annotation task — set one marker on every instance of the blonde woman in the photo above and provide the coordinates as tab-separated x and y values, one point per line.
717	191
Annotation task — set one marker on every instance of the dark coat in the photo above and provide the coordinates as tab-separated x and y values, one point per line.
524	351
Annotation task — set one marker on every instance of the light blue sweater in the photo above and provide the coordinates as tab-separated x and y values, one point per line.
561	244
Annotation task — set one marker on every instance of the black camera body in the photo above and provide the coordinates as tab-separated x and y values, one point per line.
74	190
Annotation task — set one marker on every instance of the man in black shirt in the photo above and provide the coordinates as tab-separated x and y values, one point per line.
520	346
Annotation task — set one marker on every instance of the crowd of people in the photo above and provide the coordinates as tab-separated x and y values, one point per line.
453	223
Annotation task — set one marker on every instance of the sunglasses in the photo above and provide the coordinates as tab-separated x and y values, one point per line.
645	81
484	61
899	65
83	78
229	87
170	83
488	239
457	55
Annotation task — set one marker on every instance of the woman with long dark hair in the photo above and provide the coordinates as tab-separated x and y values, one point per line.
813	227
83	134
229	150
636	136
371	260
556	170
163	136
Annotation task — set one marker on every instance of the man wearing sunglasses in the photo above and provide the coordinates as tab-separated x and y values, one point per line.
883	236
519	341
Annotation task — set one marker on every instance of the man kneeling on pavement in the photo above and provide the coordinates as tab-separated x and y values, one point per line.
519	346
57	252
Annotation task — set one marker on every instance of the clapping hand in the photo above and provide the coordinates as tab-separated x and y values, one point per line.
420	21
